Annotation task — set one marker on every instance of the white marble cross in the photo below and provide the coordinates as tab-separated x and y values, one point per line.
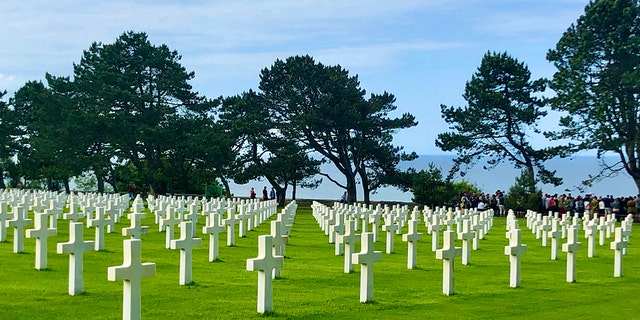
279	241
555	234
466	235
447	254
193	217
619	244
100	222
514	250
75	248
602	227
41	233
214	228
366	258
545	227
571	248
5	215
131	272
265	263
476	225
390	226
349	239
434	229
590	233
412	237
136	230
337	229
19	222
230	222
186	243
73	214
169	222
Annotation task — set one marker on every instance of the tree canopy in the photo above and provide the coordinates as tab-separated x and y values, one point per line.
597	84
503	110
323	108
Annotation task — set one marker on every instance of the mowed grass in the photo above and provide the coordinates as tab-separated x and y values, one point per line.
313	285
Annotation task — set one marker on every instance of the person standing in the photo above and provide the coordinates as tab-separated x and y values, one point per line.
265	194
272	195
252	193
132	191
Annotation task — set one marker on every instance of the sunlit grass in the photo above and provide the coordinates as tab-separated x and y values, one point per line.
313	284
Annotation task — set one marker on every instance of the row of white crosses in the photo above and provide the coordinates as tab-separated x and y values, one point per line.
551	226
342	220
131	271
270	257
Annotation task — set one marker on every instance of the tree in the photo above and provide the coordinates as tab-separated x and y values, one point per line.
598	85
430	187
48	139
522	195
7	137
503	110
323	108
262	151
139	93
378	165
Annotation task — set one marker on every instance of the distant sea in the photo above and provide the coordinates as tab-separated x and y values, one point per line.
572	170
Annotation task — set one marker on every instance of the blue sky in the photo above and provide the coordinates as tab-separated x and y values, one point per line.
421	51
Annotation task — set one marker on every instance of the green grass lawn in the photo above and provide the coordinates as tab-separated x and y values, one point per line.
313	284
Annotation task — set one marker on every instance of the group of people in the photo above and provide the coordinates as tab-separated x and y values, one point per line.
265	194
484	201
595	205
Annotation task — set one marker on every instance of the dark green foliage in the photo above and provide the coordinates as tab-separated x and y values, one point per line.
597	84
322	108
262	148
502	112
523	195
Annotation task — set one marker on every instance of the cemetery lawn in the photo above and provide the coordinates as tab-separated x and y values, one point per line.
313	285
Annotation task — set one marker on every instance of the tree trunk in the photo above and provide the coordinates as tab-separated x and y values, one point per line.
351	189
293	191
2	185
227	189
282	195
100	180
67	189
532	178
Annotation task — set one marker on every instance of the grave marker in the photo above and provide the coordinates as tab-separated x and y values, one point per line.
136	230
390	226
447	254
571	248
99	223
41	233
169	222
466	235
412	237
230	222
619	244
5	215
75	248
366	258
514	250
19	222
131	272
555	234
265	263
214	228
186	243
590	233
349	238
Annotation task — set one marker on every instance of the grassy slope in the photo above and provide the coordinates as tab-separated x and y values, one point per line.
314	286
